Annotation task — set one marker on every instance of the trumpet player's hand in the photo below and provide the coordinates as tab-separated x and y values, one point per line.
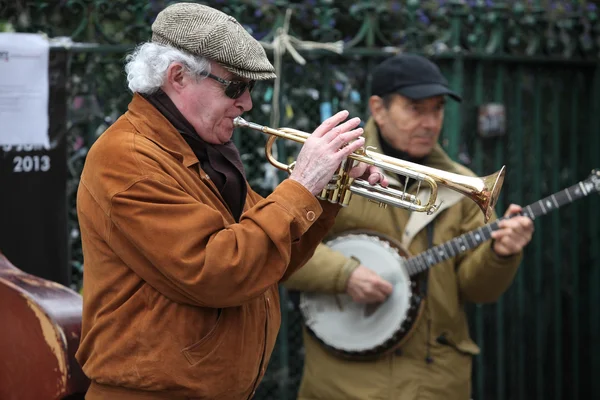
323	152
365	286
514	233
370	173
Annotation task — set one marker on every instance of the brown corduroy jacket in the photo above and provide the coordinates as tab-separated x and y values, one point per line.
179	300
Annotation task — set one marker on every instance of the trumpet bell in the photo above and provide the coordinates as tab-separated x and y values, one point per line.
488	197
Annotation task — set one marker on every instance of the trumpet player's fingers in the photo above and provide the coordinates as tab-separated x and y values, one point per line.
370	173
360	170
378	178
338	140
338	135
351	144
330	123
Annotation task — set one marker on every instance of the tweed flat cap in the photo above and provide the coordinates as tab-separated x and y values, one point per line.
204	31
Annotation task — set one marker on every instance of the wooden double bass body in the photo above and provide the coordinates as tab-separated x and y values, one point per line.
39	335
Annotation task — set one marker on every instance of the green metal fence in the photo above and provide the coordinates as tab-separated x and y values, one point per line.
539	59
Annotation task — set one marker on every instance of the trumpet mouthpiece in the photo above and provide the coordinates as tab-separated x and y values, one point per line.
240	122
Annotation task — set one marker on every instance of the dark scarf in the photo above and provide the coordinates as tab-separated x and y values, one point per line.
221	162
390	151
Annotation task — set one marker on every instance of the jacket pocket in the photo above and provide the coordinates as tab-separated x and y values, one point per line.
464	346
205	346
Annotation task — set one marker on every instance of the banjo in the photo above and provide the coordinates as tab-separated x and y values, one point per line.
362	332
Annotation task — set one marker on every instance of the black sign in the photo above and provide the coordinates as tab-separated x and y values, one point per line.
33	203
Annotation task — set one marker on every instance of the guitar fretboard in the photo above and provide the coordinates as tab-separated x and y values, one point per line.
474	238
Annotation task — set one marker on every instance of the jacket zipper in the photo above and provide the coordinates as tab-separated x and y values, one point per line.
214	189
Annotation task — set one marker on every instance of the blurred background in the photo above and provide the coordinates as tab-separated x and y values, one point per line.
529	74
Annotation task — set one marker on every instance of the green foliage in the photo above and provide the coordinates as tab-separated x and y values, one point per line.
559	28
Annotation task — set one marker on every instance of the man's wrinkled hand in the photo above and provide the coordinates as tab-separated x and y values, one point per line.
325	149
514	233
365	286
369	173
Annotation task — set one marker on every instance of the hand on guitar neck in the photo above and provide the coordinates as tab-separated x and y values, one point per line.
366	286
514	232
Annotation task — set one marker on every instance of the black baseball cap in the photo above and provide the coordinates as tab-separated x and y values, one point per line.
412	76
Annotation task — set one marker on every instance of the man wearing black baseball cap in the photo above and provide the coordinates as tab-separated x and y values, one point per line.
434	362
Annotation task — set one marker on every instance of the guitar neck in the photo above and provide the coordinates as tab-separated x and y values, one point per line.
469	240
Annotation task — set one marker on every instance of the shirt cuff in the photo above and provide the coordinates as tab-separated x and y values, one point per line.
500	260
344	274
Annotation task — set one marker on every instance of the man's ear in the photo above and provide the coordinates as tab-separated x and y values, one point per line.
377	108
176	76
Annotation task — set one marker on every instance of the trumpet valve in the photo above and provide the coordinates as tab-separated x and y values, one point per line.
345	196
379	203
329	189
338	185
323	194
360	151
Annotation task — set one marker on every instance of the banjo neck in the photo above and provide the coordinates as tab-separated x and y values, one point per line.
423	261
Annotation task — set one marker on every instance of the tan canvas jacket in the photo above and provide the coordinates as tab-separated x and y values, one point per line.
478	276
179	300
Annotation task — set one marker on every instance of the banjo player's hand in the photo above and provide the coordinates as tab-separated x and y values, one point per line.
514	233
365	286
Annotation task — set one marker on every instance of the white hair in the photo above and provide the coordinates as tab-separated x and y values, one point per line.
147	66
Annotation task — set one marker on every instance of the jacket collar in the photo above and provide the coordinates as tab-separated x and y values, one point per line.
151	124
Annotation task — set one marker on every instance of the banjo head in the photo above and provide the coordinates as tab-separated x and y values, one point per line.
355	330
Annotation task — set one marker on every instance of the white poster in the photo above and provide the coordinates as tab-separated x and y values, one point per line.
24	89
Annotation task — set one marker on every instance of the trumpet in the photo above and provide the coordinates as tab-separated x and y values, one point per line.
483	191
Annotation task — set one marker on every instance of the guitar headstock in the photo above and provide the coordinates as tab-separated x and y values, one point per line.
593	181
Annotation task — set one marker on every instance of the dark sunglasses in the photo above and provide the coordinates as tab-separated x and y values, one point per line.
233	89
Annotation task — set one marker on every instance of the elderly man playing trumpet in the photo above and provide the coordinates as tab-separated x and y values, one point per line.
182	257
